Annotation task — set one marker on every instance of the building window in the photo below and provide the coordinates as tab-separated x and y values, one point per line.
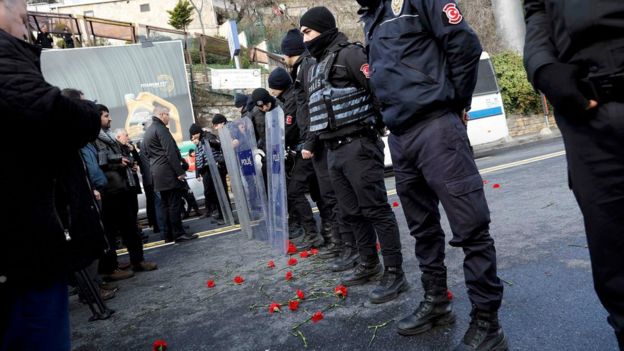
88	13
145	8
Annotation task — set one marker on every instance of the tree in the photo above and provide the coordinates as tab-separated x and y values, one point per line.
181	15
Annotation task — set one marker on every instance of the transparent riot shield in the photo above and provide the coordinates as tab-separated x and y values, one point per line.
276	180
224	199
238	143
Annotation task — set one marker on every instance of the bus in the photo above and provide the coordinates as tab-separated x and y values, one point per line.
487	120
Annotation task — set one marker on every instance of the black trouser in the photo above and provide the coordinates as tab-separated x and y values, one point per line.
298	185
328	196
171	202
189	197
119	219
150	207
357	174
211	197
594	144
433	163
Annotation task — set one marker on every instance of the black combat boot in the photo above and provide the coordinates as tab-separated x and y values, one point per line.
392	284
334	248
326	230
312	238
367	270
484	333
434	310
348	259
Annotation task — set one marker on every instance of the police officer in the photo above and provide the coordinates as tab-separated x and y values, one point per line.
281	87
574	54
343	117
299	59
424	59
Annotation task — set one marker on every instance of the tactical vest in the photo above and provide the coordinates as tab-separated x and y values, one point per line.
332	107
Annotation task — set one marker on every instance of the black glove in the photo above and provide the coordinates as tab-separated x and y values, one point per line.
559	82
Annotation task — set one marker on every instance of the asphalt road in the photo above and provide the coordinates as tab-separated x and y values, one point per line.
549	301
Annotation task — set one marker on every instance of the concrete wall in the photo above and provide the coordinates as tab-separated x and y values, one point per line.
524	125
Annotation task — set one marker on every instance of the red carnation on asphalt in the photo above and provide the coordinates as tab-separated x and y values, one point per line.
485	182
341	291
496	186
274	307
378	246
317	316
159	345
293	305
449	294
292	249
271	264
304	254
238	280
395	204
210	284
314	251
292	261
300	294
289	275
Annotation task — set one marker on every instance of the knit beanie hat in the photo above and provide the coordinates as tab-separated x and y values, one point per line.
240	100
219	118
279	79
318	18
292	44
261	97
195	129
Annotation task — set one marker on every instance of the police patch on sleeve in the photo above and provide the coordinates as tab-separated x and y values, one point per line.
397	7
289	120
453	15
365	70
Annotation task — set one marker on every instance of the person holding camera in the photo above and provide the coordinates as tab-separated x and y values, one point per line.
118	214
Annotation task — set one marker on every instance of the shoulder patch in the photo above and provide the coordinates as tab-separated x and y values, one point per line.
289	120
365	69
453	15
397	7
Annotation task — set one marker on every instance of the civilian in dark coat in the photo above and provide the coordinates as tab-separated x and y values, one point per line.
168	175
42	209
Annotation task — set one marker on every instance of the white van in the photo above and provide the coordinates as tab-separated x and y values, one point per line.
487	122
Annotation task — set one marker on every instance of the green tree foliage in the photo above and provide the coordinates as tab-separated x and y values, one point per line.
181	15
518	94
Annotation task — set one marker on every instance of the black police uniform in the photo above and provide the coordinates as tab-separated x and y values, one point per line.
588	36
424	59
355	158
299	183
319	174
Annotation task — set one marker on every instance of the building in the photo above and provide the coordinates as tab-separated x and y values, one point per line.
149	12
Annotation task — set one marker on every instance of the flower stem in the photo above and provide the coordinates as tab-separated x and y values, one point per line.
376	327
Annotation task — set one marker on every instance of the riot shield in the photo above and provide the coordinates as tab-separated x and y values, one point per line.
224	200
276	180
238	143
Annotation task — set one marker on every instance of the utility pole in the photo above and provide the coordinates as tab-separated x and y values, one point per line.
509	15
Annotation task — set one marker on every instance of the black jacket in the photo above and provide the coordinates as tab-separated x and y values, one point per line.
586	33
164	155
288	102
110	156
424	59
259	123
349	69
299	75
38	204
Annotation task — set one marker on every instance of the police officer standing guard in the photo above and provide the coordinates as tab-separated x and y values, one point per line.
342	115
424	60
574	54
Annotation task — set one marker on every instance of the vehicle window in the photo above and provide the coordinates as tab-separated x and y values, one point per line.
486	81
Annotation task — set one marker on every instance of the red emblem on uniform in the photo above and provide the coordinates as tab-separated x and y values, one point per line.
453	14
365	69
288	120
